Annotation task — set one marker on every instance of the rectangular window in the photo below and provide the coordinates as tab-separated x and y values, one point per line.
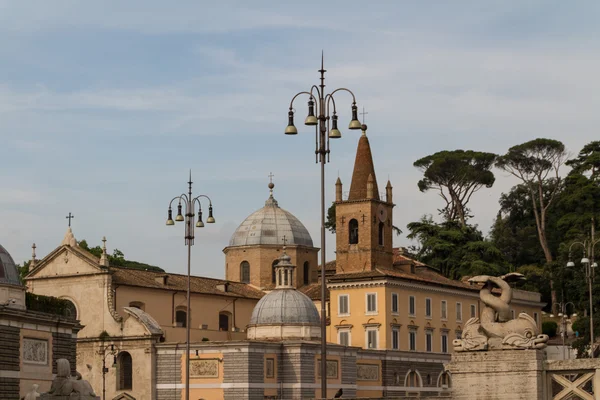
535	318
412	340
343	306
395	339
473	311
371	302
411	305
428	341
444	342
459	335
344	337
371	338
428	307
459	311
395	303
444	309
512	314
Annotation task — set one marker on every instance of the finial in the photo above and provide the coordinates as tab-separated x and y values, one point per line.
284	239
104	256
271	184
322	57
364	129
33	247
70	217
363	113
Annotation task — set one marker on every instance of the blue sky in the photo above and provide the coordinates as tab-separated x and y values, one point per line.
105	106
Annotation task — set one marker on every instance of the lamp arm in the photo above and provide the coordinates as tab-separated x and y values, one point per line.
298	94
174	198
329	98
197	200
574	243
346	90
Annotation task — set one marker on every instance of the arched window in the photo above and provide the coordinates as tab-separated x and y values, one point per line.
306	276
428	379
137	304
224	321
444	380
70	309
413	379
181	318
125	371
273	265
381	231
353	231
245	272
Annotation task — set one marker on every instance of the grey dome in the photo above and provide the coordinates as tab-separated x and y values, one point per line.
8	269
269	225
285	306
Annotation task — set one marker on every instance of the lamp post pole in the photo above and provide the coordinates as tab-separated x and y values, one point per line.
590	265
322	125
563	322
104	368
189	202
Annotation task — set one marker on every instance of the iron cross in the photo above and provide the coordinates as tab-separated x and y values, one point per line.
271	177
363	113
284	240
70	217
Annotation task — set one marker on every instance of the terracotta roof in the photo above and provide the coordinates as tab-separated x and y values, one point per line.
313	291
363	167
198	284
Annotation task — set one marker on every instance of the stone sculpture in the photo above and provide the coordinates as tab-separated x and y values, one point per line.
496	330
65	386
33	394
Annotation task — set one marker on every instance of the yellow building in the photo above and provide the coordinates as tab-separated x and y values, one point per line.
379	297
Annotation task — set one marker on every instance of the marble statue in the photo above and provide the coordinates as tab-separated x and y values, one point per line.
495	330
33	394
65	386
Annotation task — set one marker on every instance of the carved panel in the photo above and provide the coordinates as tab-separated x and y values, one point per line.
207	368
367	372
35	351
270	368
332	369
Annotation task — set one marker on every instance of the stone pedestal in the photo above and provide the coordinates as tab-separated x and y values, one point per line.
498	375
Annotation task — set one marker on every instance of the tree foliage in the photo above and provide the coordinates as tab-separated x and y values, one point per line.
455	250
117	258
456	175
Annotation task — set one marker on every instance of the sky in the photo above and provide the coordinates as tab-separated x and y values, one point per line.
106	106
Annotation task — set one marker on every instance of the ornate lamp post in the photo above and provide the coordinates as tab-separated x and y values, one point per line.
590	266
112	352
564	315
324	103
189	202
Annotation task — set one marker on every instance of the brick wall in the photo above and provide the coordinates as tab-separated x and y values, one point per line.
9	361
168	370
243	368
64	346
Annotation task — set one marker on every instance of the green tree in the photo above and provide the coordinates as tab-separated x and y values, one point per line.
117	259
537	164
455	250
23	270
456	175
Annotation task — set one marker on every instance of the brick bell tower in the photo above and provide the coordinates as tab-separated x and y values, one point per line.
363	221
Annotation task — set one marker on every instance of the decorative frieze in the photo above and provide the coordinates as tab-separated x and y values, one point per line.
204	368
367	372
332	369
35	351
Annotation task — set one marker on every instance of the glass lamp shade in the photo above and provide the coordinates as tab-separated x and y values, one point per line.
210	219
585	260
334	133
354	123
551	315
291	129
199	224
310	118
595	265
570	264
560	314
574	314
170	222
179	216
170	217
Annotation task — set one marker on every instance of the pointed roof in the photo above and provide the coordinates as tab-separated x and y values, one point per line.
363	168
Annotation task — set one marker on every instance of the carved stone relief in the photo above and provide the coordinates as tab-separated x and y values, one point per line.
367	372
208	368
332	369
35	351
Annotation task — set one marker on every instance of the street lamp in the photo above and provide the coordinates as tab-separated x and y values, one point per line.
113	351
590	266
320	120
189	202
563	322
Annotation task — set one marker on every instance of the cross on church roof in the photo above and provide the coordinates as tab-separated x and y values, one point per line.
284	239
271	177
70	217
363	113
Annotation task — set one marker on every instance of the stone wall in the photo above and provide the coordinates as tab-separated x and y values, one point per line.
246	367
9	362
168	371
64	346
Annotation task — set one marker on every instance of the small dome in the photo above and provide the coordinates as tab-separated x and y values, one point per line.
268	225
8	269
286	307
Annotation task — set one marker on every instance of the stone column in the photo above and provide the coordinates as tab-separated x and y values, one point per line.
498	375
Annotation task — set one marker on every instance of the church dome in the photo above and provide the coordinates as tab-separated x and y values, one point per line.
285	307
8	269
268	225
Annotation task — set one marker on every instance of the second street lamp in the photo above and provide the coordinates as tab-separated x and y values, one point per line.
189	202
324	103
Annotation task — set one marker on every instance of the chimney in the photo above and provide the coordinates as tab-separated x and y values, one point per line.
162	279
